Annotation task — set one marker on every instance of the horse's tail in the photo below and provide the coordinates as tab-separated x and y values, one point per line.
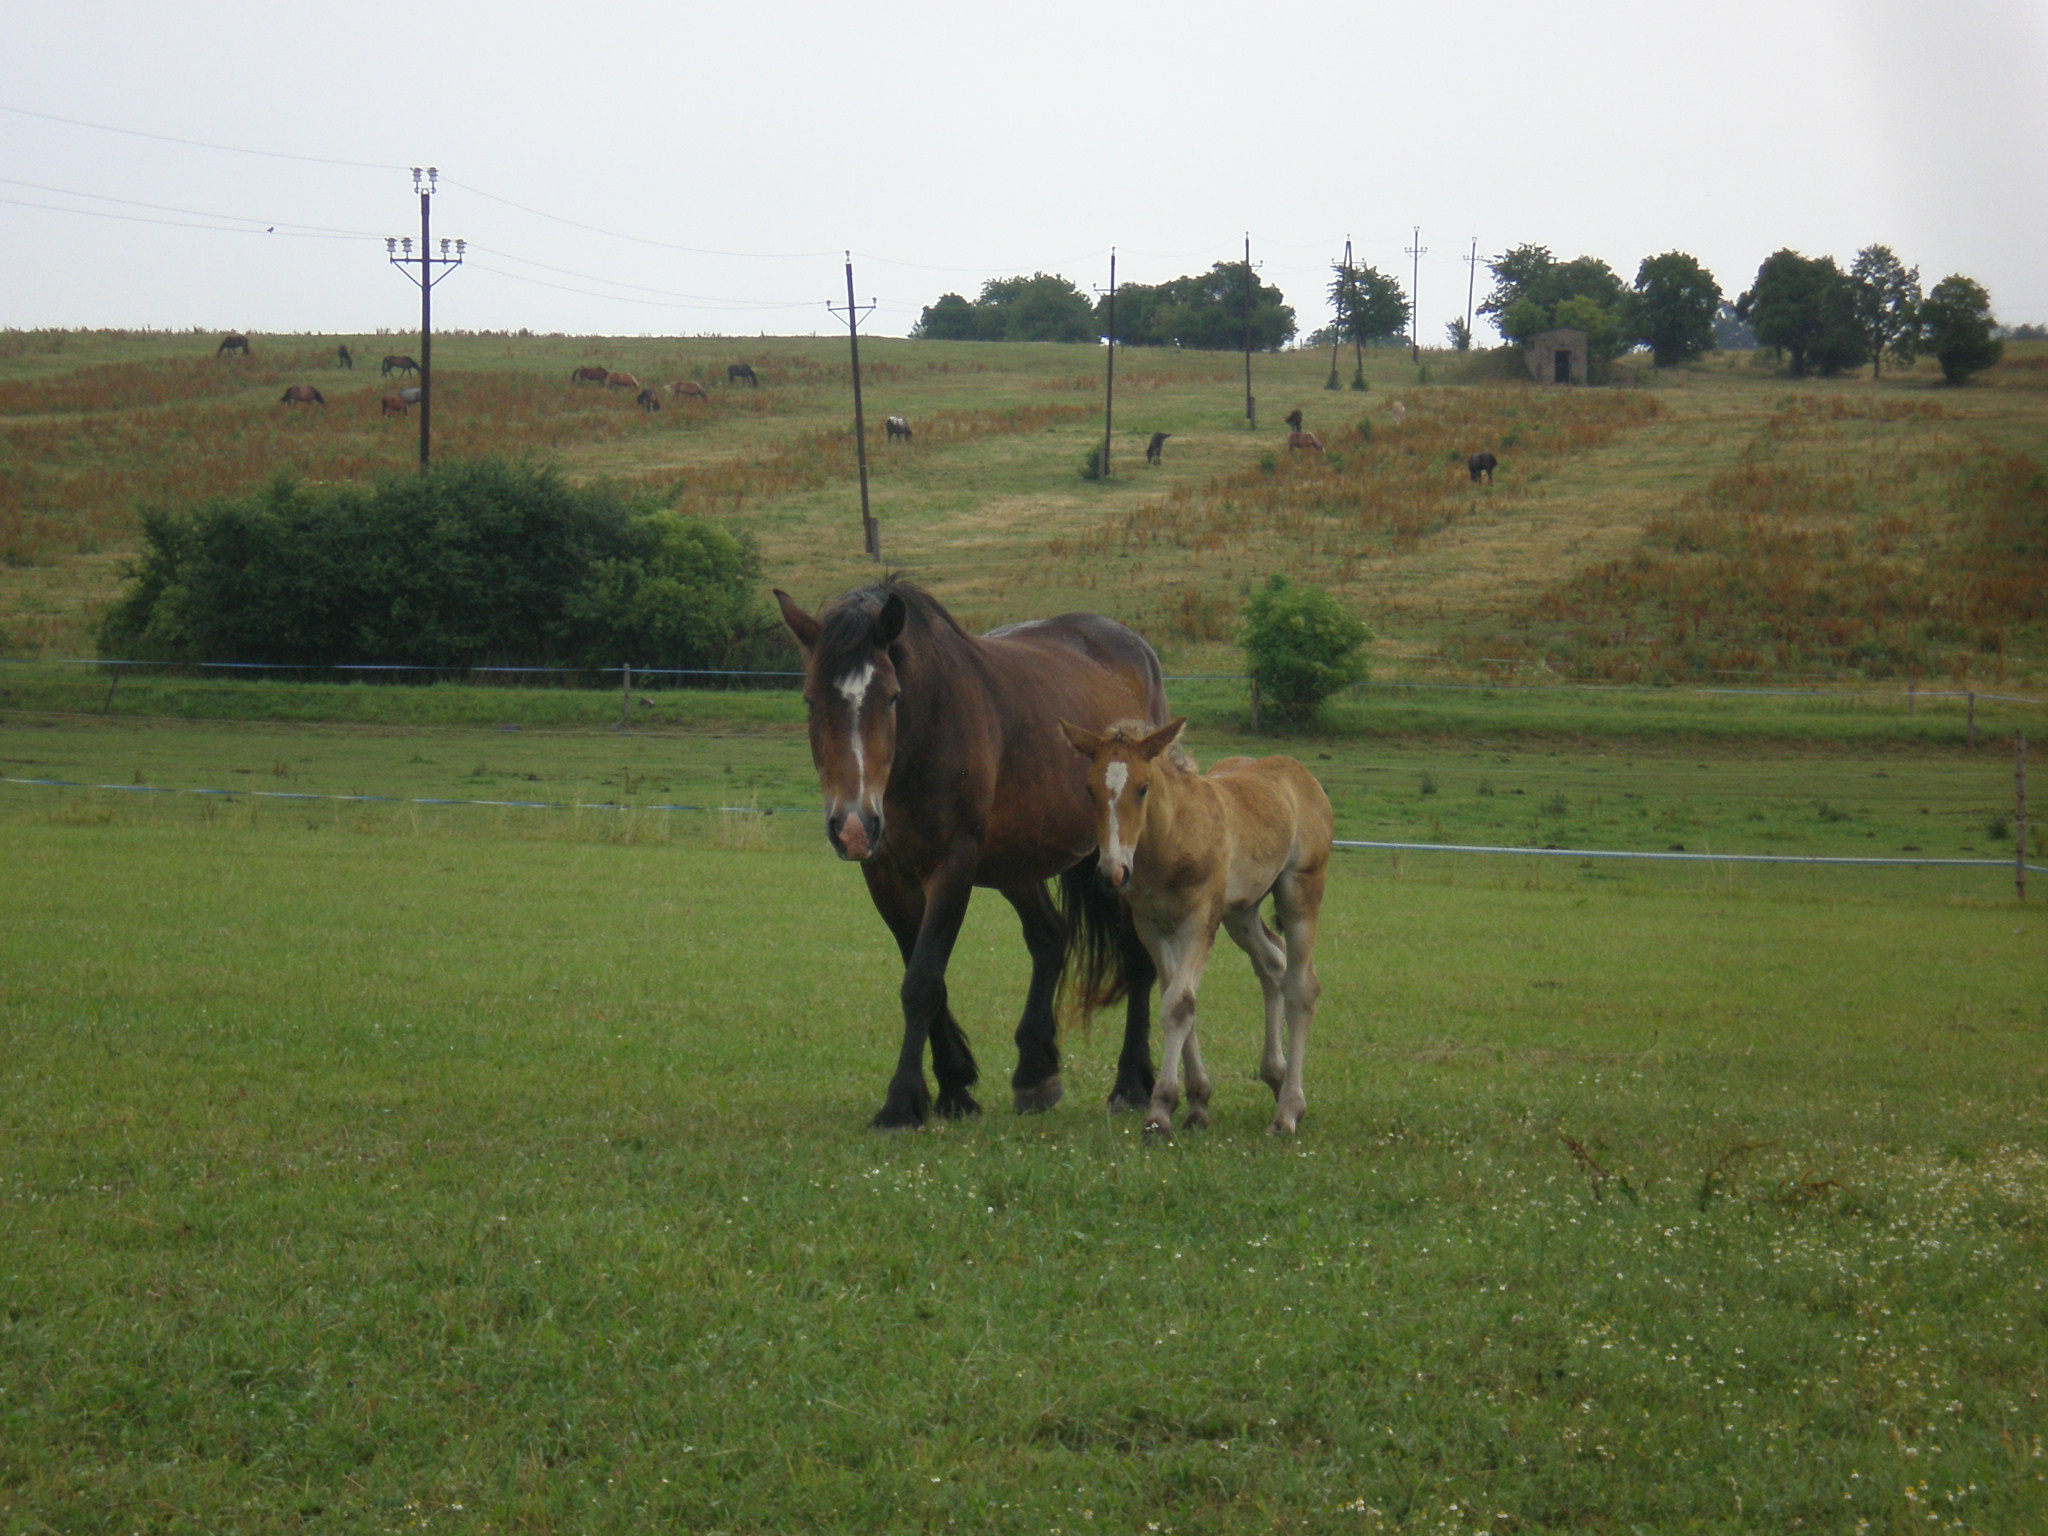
1093	976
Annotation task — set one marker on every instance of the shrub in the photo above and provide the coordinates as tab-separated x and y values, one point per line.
476	561
1301	647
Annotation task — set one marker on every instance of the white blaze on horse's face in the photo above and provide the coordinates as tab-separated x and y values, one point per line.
1120	782
853	744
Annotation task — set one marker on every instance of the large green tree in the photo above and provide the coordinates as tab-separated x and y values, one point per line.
1956	326
1041	307
1673	307
1534	292
1205	309
1887	305
1370	305
1805	306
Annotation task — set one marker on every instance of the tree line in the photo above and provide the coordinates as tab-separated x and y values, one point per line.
1821	318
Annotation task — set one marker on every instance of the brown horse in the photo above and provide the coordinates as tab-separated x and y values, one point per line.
235	343
303	394
621	381
590	375
398	362
735	372
391	405
648	401
1190	852
943	769
687	389
1308	440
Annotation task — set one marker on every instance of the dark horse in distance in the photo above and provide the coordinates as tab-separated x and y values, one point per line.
943	768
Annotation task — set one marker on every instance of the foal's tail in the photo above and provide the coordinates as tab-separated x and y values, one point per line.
1098	927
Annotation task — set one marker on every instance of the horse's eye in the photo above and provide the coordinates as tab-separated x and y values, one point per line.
1144	790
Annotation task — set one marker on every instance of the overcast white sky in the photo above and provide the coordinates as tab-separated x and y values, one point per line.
748	143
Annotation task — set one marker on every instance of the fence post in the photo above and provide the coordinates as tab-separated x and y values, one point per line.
1912	695
625	696
108	707
1972	695
1255	706
2019	816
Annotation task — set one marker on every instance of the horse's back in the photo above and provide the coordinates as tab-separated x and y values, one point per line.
1098	640
1279	811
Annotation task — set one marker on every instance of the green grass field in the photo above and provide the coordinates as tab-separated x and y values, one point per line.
369	1164
367	1170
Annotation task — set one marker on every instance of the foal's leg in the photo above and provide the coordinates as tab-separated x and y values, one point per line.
1181	956
1269	964
1036	1083
1298	903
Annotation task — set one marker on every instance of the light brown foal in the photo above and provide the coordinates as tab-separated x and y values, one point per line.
1188	851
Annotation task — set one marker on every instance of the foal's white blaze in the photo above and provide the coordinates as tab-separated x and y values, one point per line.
1114	778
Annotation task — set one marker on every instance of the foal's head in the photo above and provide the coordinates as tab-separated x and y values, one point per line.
1121	768
850	688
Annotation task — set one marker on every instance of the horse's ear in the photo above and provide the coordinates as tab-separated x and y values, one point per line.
801	624
1087	743
889	622
1161	739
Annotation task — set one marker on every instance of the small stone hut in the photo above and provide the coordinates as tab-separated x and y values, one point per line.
1557	357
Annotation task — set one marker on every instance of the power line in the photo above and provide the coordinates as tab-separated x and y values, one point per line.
231	149
136	218
197	213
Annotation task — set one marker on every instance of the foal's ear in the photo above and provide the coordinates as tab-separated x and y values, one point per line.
889	622
1087	743
1161	739
801	624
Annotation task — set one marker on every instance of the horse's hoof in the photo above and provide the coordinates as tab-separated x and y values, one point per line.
1040	1097
1197	1120
957	1104
899	1117
1155	1126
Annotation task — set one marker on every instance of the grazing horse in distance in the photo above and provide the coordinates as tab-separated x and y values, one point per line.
648	401
620	381
687	389
397	362
1482	464
343	358
1398	411
410	395
734	372
235	343
302	394
1154	449
590	375
1189	852
1308	440
1293	419
942	770
392	405
897	427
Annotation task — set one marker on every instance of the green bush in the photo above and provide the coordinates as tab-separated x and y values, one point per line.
477	561
1301	647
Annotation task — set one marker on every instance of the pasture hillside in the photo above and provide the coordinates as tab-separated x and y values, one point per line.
1686	524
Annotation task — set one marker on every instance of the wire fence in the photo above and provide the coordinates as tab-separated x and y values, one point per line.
751	677
1343	844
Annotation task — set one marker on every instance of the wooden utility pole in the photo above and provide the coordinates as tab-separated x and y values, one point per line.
1343	306
1471	286
426	277
1251	406
870	530
1109	387
2019	816
1415	253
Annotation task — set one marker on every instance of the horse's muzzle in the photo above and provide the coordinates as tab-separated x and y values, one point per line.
854	835
1113	878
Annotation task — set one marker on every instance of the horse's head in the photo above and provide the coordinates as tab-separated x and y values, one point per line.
1121	767
850	689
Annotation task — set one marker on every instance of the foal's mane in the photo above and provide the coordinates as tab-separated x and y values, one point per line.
845	632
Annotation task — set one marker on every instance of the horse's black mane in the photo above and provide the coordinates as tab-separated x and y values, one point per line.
845	630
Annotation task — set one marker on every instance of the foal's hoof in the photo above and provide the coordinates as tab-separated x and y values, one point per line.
1040	1097
1159	1125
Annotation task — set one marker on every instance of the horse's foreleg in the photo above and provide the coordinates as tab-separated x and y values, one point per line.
1180	957
1269	964
1036	1083
1134	1074
926	923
